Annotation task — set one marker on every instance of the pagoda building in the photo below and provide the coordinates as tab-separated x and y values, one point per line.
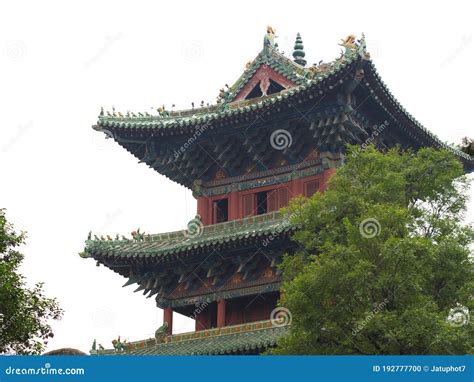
280	131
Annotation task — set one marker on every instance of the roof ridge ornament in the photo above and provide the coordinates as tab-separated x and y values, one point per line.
269	39
352	47
298	51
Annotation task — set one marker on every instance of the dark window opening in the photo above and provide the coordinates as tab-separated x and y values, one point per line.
274	87
262	202
221	211
256	92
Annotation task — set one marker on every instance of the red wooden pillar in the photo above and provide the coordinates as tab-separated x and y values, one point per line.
220	313
234	210
168	317
296	187
201	321
326	175
203	209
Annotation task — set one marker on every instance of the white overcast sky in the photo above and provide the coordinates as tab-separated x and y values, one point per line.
60	61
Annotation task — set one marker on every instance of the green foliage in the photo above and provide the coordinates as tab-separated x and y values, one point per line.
384	259
24	312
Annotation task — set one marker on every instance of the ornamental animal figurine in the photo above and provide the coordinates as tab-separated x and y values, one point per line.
197	189
362	44
269	39
162	112
137	235
224	94
320	67
161	333
349	45
101	347
84	255
119	346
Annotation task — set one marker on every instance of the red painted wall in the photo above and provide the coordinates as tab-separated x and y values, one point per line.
238	311
250	309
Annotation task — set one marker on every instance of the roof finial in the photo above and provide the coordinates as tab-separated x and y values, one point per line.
269	39
298	51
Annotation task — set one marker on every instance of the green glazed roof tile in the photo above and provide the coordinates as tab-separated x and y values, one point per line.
176	242
244	338
304	79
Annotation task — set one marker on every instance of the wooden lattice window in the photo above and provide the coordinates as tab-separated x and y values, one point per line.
248	205
310	188
272	200
283	197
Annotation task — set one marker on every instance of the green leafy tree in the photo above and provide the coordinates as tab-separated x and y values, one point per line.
383	265
24	312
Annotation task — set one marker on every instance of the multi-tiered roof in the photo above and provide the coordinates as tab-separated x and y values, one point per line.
157	252
158	140
226	150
